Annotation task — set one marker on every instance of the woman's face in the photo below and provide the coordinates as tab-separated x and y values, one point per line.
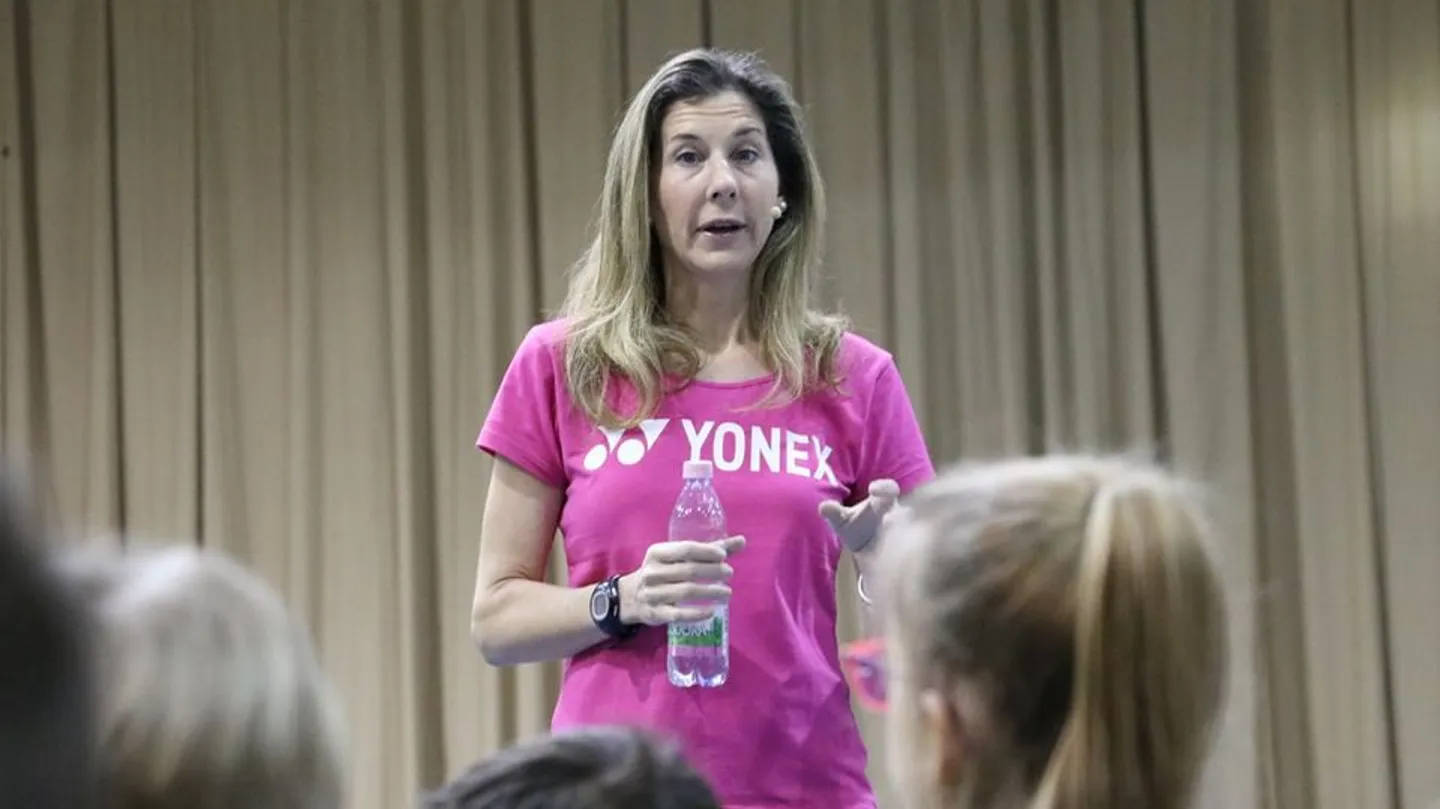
715	183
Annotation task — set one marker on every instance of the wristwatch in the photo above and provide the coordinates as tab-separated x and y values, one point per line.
605	609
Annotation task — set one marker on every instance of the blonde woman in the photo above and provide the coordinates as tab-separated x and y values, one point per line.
1056	639
688	335
211	697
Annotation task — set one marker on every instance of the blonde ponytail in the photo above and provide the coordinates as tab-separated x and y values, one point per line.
1089	576
1149	654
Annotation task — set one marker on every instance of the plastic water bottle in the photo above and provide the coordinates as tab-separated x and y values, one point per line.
699	651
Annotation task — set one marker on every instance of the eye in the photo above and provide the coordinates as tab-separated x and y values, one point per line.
688	157
748	154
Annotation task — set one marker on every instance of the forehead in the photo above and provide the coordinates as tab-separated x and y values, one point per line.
718	115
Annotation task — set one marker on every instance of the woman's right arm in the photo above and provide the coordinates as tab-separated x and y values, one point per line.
519	618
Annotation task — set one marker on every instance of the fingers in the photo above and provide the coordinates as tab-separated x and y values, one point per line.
836	513
703	552
682	572
857	525
882	496
685	594
885	490
731	544
672	615
678	552
862	529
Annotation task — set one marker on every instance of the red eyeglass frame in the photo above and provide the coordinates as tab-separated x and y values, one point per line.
863	664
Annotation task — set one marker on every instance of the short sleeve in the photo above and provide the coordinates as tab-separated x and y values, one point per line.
892	445
523	424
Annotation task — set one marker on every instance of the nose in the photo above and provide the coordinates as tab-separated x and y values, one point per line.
722	183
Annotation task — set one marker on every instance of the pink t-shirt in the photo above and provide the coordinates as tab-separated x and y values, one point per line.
780	732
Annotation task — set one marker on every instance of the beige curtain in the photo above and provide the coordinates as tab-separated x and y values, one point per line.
263	263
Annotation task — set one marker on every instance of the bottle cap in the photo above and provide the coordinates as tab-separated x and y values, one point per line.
699	470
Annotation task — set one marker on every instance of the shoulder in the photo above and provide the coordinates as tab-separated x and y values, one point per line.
861	361
539	359
548	336
543	343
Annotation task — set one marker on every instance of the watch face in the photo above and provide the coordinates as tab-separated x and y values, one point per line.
599	603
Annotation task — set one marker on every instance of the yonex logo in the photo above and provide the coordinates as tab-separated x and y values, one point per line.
730	446
629	451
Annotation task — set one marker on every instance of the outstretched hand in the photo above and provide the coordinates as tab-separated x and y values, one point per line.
859	525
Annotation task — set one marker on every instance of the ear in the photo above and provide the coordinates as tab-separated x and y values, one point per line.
947	737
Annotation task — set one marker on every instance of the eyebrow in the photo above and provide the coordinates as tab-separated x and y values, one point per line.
743	131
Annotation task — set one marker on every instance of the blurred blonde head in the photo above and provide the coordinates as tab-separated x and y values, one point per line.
211	696
1056	633
615	309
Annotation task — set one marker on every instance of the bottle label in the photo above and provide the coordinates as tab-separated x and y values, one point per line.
709	633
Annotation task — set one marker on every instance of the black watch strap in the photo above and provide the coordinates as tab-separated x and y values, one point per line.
605	609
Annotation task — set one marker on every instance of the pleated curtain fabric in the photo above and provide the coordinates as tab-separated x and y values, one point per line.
262	265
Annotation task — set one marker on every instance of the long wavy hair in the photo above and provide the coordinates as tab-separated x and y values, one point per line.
617	325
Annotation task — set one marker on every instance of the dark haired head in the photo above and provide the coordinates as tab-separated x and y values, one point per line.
600	768
46	757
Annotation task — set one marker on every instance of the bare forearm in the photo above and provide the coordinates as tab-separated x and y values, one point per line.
524	621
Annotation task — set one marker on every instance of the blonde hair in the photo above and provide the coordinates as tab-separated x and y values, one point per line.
617	325
211	697
1077	598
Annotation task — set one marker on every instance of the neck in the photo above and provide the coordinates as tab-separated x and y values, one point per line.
713	306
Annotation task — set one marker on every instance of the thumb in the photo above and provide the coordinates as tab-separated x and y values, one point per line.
731	545
835	513
883	495
885	488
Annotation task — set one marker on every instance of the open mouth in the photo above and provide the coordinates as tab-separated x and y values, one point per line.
722	227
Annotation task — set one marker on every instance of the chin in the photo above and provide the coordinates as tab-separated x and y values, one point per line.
714	266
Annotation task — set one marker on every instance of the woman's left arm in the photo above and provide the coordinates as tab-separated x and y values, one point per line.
893	459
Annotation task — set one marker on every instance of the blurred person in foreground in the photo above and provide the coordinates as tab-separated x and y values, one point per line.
594	768
46	707
212	697
1055	638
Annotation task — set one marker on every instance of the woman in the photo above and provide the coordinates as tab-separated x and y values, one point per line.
688	335
212	697
1056	639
